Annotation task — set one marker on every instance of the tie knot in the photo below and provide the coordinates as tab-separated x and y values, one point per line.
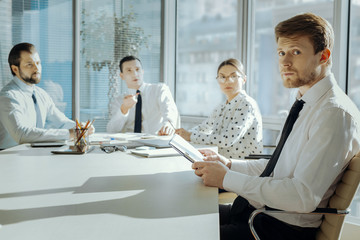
298	105
300	102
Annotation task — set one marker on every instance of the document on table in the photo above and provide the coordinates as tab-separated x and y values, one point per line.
158	142
117	138
151	153
130	136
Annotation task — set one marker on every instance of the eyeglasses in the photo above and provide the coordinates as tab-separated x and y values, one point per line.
232	78
113	148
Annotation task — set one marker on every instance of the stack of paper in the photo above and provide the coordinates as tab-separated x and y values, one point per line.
163	152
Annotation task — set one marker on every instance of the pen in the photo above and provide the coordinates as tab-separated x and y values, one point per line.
172	124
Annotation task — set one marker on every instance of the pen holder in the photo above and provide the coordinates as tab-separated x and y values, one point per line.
81	140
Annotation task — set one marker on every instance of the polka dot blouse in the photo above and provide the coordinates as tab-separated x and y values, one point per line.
235	127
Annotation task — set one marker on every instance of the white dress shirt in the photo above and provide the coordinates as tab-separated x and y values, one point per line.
235	127
18	116
324	138
158	108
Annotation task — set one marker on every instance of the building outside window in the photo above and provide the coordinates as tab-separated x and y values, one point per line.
206	35
110	30
48	25
354	80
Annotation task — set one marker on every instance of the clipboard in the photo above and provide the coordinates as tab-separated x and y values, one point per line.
185	149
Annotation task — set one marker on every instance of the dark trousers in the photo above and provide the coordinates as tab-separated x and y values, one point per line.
234	225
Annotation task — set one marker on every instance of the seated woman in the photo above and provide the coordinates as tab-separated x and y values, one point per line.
236	125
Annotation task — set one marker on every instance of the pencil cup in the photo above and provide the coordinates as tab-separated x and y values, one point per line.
81	139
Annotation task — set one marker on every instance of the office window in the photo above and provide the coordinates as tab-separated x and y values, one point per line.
48	25
354	79
206	35
110	30
354	53
265	82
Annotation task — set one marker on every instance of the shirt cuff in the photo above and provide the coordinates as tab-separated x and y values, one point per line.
233	181
239	165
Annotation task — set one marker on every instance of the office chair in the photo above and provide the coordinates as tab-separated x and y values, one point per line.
227	197
334	215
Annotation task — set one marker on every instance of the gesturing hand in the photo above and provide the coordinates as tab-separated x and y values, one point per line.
128	102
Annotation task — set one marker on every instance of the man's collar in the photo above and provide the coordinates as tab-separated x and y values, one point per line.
318	90
23	86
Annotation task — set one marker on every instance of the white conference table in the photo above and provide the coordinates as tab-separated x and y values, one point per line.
102	196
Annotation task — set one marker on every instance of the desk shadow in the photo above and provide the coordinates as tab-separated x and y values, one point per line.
157	200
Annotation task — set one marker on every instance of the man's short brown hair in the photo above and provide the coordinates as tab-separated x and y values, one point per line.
15	53
315	27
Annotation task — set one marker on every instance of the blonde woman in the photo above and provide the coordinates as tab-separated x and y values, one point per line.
236	125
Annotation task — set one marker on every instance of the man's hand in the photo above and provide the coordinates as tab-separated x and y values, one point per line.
210	155
211	172
183	133
89	132
166	130
71	133
129	101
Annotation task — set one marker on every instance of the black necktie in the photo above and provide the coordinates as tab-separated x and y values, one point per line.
289	123
240	203
38	113
137	125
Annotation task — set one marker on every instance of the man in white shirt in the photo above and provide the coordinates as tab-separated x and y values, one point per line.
157	111
325	136
27	112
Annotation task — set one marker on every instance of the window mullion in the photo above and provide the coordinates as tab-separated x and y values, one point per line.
341	46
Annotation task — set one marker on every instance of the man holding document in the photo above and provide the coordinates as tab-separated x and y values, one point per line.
320	136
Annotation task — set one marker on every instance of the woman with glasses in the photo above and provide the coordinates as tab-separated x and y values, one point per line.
236	125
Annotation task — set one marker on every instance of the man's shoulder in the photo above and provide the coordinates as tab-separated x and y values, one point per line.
153	87
9	89
336	101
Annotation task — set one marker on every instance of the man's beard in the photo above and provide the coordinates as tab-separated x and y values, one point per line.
27	79
300	81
